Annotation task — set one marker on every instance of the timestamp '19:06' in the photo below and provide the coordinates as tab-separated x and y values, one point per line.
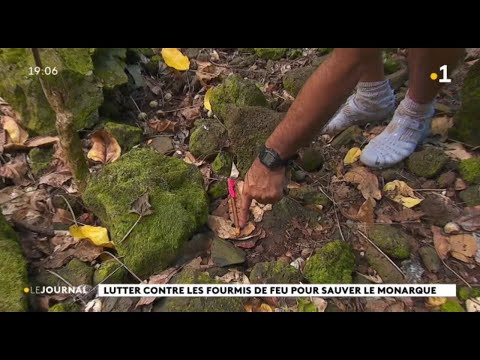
36	70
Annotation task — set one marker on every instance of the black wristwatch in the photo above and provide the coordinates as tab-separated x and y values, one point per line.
271	159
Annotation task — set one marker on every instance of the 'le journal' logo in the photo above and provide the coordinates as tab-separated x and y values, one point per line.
56	290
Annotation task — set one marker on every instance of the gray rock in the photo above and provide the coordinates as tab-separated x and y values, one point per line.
225	253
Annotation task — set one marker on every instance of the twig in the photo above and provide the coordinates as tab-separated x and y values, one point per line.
186	107
106	278
135	104
381	252
336	214
125	266
66	282
131	229
453	271
70	208
429	189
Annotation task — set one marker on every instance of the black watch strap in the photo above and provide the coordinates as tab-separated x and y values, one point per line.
271	159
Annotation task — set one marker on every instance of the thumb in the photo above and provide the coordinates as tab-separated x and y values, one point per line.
245	209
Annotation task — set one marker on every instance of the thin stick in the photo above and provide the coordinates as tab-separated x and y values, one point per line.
125	266
71	210
453	271
381	252
106	278
186	107
131	229
429	189
136	104
336	214
66	282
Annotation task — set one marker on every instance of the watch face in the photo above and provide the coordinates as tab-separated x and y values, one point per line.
268	158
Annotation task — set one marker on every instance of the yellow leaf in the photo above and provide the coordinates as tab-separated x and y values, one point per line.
97	234
401	193
352	156
265	308
436	301
175	59
16	133
206	99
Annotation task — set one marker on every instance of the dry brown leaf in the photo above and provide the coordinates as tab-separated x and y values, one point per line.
367	182
457	151
470	220
460	184
407	214
55	179
141	206
190	114
463	247
38	141
225	229
84	251
206	72
16	134
62	216
257	209
16	169
162	125
320	303
440	126
190	159
366	212
3	139
441	243
105	147
162	278
234	277
436	301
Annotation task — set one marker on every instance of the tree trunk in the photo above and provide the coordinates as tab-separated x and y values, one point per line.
69	139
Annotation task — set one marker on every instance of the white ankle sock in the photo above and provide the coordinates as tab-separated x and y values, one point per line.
372	102
409	126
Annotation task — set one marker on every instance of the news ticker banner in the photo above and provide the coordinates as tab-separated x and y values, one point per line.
261	290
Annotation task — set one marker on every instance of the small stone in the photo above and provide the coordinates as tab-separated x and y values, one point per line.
393	241
225	253
142	116
438	211
299	176
460	184
389	175
153	104
312	159
451	228
349	135
296	78
430	258
388	272
167	96
429	184
427	163
275	272
446	180
161	144
471	196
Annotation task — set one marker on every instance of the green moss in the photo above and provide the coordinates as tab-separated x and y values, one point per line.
270	53
465	293
324	51
296	78
207	139
390	64
332	264
175	192
110	66
248	128
201	304
222	165
471	196
305	305
78	61
427	163
393	241
275	272
312	159
237	91
13	270
40	160
105	269
65	307
452	306
470	170
294	53
77	273
126	135
218	189
287	209
309	195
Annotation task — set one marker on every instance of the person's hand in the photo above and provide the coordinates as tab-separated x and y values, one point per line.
262	184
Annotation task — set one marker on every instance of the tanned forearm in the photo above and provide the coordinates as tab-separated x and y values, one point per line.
322	95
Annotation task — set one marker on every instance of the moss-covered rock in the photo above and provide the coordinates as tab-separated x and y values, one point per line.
200	304
312	159
467	126
222	165
393	241
446	179
126	135
438	211
208	139
65	307
465	293
40	160
287	209
306	305
107	268
237	91
452	306
270	53
76	272
348	136
332	264
218	189
176	194
275	272
430	258
427	163
471	196
294	80
224	253
470	170
13	270
383	267
109	66
309	195
248	128
82	91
